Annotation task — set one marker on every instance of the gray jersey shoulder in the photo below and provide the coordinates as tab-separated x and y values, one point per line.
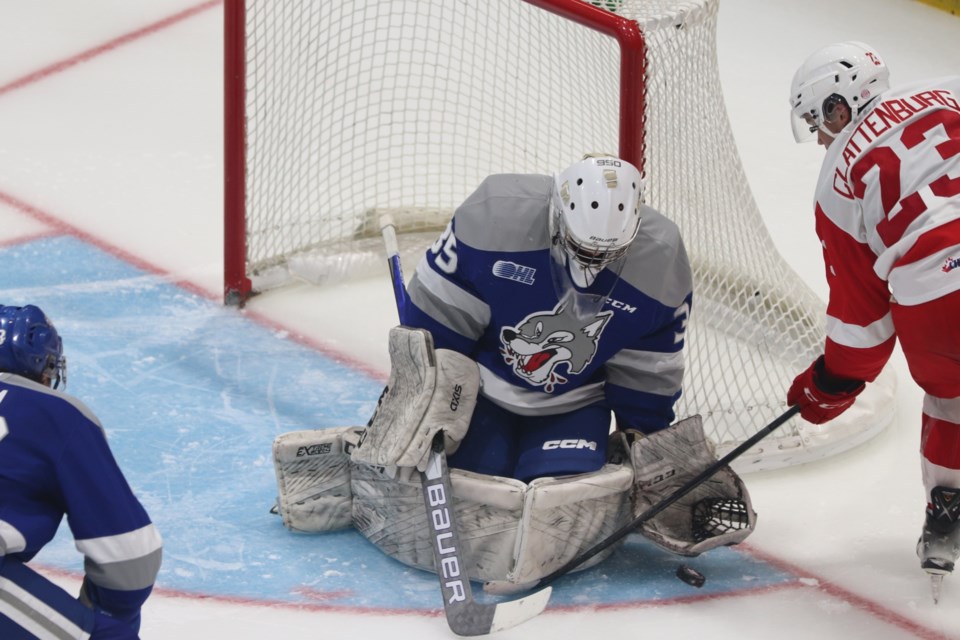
509	212
657	264
53	396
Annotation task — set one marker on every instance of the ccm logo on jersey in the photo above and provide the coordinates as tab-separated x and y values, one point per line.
616	304
571	443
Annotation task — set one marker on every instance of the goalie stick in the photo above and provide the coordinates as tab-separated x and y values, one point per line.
465	616
616	536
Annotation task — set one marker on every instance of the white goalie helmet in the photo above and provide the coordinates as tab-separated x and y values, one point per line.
853	71
594	218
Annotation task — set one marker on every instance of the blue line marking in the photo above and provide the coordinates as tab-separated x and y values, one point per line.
192	395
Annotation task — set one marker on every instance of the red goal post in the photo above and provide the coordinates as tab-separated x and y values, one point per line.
238	285
336	112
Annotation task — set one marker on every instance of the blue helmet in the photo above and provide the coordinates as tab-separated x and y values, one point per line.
30	346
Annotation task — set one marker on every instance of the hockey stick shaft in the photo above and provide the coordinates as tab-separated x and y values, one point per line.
653	511
465	616
389	232
437	488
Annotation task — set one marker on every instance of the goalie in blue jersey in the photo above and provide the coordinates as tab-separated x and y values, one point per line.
55	462
543	333
572	297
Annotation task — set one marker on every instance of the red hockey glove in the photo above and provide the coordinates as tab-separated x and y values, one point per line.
822	396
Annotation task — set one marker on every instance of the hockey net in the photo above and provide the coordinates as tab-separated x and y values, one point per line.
338	112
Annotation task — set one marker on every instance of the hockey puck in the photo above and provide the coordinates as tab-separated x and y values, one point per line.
691	576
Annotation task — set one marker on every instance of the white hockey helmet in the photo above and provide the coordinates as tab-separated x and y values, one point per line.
594	218
595	214
851	71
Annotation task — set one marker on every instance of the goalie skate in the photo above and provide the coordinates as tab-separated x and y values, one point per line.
939	543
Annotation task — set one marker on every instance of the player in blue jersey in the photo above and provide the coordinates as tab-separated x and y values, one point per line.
55	462
572	296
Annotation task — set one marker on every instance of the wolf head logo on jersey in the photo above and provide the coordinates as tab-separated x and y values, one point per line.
546	339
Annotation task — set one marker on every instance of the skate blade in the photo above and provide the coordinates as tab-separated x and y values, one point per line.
936	585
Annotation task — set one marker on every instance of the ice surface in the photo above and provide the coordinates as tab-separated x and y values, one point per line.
116	142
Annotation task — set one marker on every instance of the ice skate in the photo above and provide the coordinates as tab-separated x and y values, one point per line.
939	543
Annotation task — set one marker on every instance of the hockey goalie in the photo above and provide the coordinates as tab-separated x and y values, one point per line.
543	336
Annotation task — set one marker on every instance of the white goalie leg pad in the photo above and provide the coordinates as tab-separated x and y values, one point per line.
562	517
509	530
428	390
717	512
313	478
389	511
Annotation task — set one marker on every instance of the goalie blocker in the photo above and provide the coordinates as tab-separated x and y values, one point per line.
510	531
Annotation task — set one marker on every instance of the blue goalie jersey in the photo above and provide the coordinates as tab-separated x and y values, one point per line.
485	289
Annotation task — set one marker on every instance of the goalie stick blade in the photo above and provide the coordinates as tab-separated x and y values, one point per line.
470	618
513	612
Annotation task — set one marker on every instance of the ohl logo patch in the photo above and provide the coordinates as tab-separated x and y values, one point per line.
513	271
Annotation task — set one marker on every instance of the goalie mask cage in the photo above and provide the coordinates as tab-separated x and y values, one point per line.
337	112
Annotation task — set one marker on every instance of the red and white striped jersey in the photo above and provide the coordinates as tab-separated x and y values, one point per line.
888	217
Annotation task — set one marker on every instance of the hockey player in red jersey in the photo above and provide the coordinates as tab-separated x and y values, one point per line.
55	462
888	217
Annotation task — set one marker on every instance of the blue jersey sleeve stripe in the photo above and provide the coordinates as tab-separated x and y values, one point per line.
651	371
448	294
124	546
128	575
34	604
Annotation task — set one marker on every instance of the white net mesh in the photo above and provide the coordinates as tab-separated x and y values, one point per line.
355	108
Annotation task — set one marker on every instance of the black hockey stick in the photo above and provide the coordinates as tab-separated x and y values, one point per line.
466	616
616	536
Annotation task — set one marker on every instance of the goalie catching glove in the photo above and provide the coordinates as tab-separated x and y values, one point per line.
428	390
716	512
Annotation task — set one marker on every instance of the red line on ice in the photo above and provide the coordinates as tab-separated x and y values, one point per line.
89	54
